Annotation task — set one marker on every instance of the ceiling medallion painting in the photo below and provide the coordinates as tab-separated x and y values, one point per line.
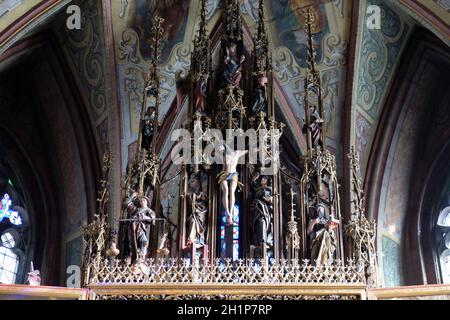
231	223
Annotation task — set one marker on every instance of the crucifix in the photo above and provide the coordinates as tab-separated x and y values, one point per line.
228	180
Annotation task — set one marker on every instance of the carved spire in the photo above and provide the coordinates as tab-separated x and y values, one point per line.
103	194
292	236
152	84
315	118
156	43
357	193
262	67
309	24
146	162
233	21
360	231
262	43
200	54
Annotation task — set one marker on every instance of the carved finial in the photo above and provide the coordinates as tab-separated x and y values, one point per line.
309	26
357	192
261	26
315	115
233	21
202	16
152	82
263	63
103	194
361	232
200	54
292	208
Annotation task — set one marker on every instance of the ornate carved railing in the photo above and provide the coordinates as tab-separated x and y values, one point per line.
174	271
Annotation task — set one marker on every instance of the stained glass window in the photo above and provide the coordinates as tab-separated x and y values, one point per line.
443	250
9	260
223	222
7	213
8	240
445	266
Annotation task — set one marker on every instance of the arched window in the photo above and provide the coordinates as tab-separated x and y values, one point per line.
235	233
11	244
9	261
443	244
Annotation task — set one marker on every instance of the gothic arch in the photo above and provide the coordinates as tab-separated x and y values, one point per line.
48	138
402	156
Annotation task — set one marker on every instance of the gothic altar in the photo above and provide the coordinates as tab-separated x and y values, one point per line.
243	218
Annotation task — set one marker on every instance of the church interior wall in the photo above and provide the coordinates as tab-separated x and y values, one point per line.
43	119
406	130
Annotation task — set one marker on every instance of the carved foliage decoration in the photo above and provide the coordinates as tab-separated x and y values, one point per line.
226	297
360	231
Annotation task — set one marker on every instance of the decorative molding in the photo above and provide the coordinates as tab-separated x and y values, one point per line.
30	21
206	291
7	6
422	13
226	297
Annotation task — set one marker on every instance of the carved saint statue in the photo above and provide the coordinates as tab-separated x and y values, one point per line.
147	128
228	181
198	211
321	235
262	210
140	218
233	65
315	126
260	99
200	93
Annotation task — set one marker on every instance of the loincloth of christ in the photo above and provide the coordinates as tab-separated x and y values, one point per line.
227	176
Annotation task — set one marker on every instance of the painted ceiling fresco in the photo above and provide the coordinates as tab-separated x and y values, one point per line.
376	60
86	49
131	25
378	55
331	38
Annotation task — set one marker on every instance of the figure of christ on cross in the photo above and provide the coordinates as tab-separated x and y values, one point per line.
228	180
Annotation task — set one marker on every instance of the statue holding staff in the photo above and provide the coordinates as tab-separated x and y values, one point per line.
262	210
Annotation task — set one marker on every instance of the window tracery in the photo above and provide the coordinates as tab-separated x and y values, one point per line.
11	253
443	243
